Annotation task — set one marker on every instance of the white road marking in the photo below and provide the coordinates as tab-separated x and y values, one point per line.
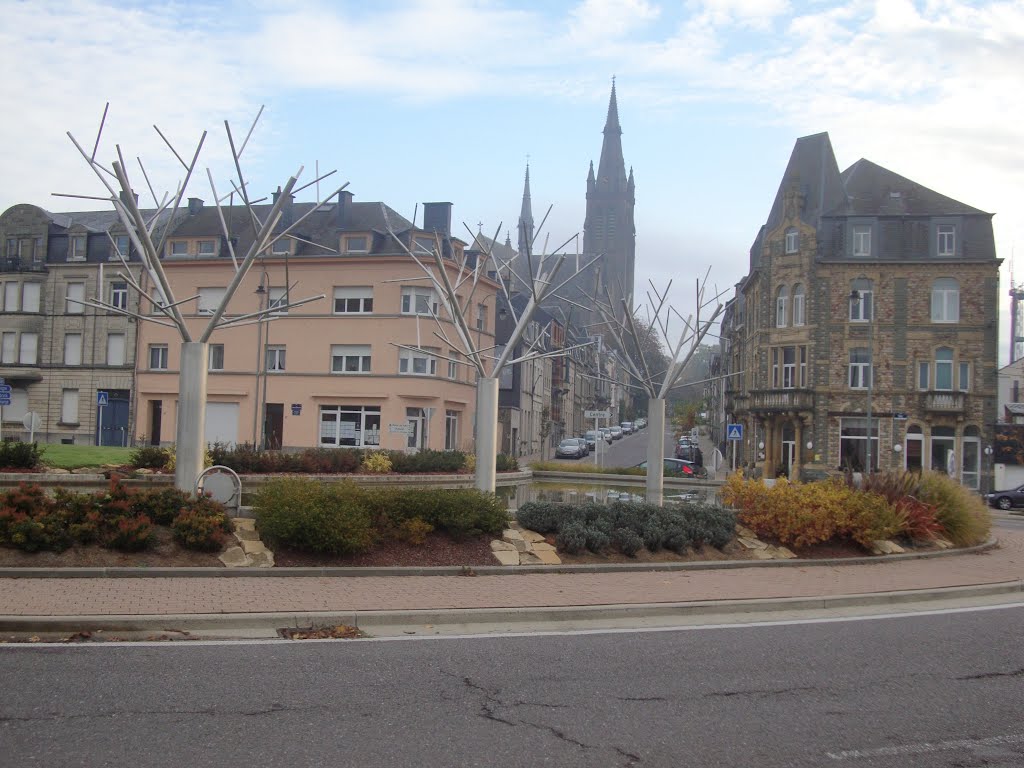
500	635
927	747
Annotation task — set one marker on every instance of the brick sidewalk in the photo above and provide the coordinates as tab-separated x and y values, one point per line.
136	596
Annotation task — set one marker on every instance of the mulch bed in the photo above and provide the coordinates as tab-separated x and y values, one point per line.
438	549
166	554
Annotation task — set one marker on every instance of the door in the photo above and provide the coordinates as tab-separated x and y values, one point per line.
416	419
788	449
943	439
113	418
221	423
156	415
273	426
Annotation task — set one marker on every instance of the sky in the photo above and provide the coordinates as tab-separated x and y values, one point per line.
447	100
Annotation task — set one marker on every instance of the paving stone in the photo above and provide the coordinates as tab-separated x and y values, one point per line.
529	558
252	547
742	530
782	553
511	535
246	535
886	547
761	554
548	557
532	535
244	524
502	546
263	559
543	546
507	557
234	558
523	546
750	543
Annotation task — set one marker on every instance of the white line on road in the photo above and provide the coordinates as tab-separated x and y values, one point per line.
925	748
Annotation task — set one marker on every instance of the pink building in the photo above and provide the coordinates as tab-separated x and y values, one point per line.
332	372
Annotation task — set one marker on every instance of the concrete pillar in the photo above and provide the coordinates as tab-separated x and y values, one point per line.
655	450
190	438
798	430
486	433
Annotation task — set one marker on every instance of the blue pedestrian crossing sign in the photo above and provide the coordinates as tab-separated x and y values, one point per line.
734	432
101	397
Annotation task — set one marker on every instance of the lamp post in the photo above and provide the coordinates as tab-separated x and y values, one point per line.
856	295
261	293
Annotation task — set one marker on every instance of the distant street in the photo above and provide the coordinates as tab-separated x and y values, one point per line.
923	691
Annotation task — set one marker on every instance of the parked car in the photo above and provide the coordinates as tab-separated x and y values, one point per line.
1006	499
640	423
616	432
680	468
690	452
583	442
607	432
570	448
592	436
627	427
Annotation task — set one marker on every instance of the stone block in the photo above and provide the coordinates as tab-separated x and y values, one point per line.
751	543
234	557
252	547
531	536
761	554
244	523
543	546
548	557
886	547
511	535
246	535
507	557
529	558
264	559
522	546
502	546
782	553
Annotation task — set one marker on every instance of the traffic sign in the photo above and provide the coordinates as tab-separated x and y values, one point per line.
5	389
296	409
5	400
597	414
734	432
900	416
101	397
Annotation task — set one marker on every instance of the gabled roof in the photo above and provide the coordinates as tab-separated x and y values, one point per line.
813	168
872	190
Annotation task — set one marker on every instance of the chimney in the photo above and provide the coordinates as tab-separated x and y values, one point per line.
344	206
124	197
195	205
286	207
437	217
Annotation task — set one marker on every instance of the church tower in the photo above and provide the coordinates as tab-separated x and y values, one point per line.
609	230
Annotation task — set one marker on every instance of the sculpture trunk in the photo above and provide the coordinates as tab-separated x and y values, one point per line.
655	450
486	432
190	437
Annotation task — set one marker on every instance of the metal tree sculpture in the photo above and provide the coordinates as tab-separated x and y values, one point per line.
149	245
543	272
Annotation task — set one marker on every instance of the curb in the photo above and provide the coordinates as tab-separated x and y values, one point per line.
479	570
478	617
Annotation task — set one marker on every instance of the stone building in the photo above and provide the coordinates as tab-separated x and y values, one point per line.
868	314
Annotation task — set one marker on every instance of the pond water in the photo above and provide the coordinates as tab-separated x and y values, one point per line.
517	494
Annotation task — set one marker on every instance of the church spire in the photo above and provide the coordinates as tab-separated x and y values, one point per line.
611	171
526	216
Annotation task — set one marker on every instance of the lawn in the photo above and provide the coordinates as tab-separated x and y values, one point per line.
75	456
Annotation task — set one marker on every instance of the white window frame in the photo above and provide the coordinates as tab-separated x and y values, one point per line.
209	299
127	242
12	296
453	366
9	347
278	298
412	298
945	300
859	372
799	306
31	293
69	406
409	361
28	348
789	368
215	357
781	306
113	339
862	241
177	248
792	240
863	306
73	298
944	367
157	353
345	355
74	252
206	247
72	349
356	300
945	240
481	317
119	294
349	239
281	247
275	358
451	430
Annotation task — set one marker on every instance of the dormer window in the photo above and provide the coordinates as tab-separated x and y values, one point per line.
76	248
945	240
121	246
424	245
281	246
792	240
207	247
179	247
862	240
356	244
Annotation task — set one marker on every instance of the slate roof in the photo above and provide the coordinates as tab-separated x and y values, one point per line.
812	166
872	190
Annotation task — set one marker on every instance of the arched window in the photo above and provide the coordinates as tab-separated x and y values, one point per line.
781	306
945	300
944	369
799	310
861	300
792	240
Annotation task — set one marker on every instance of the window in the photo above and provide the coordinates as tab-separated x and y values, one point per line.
216	357
28	354
12	297
860	368
9	347
354	300
278	298
350	425
792	240
416	363
419	301
945	240
945	300
424	245
965	377
210	299
72	349
179	247
275	358
922	375
944	369
355	244
69	406
207	247
121	245
282	245
799	311
481	317
787	373
19	405
781	302
453	365
862	240
803	367
75	298
158	357
76	248
350	358
861	297
451	430
853	443
119	295
115	349
12	248
30	297
38	255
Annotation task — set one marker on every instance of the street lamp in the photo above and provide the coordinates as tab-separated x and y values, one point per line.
261	293
856	295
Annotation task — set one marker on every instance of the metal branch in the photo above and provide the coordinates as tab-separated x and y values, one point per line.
251	129
277	309
99	132
223	222
111	308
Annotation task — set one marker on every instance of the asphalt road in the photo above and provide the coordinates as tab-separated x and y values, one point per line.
938	690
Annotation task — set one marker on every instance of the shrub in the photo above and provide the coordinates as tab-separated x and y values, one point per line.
918	519
18	455
172	458
313	517
653	534
376	463
505	463
627	541
414	531
963	515
202	525
540	516
149	457
469	463
161	505
572	538
427	461
707	525
128	534
597	539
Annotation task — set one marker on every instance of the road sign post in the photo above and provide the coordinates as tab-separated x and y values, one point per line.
734	433
102	399
598	437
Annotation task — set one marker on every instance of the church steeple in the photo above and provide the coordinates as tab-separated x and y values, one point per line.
526	217
611	170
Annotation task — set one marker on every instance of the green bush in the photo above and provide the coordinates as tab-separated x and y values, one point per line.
572	538
203	525
161	505
459	512
313	517
962	514
540	516
627	541
149	457
427	461
17	455
506	463
653	534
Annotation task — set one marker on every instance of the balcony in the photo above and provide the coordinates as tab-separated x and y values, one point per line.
780	400
18	265
943	402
